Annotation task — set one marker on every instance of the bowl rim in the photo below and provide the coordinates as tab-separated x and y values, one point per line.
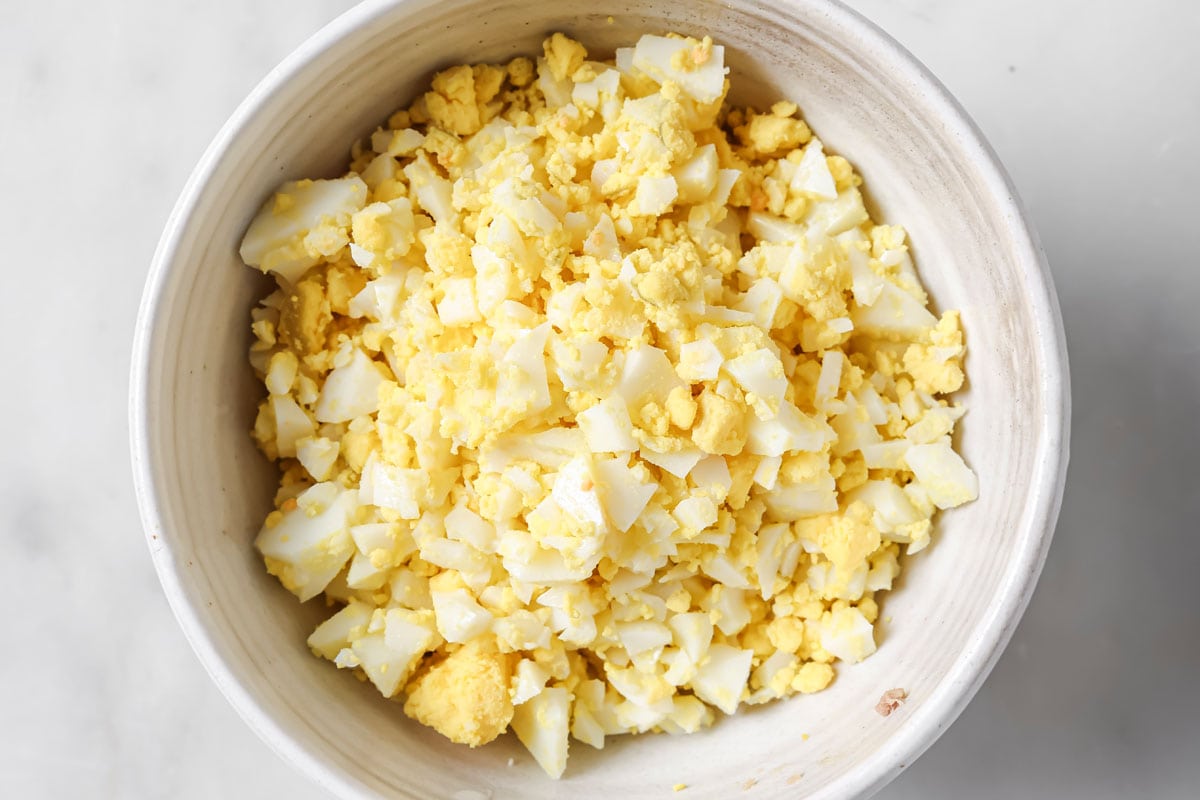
988	639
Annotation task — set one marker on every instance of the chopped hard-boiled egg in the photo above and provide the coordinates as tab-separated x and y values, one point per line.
600	406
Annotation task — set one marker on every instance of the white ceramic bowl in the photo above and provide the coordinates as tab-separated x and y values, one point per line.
203	488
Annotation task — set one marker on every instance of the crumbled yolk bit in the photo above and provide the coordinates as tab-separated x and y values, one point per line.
600	405
466	696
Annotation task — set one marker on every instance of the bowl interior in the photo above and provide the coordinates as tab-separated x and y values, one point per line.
205	488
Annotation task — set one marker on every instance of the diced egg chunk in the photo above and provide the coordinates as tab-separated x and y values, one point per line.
699	361
696	178
655	195
647	374
848	635
721	678
351	390
812	173
457	306
665	59
894	311
542	725
275	239
760	373
336	633
678	462
942	474
625	493
312	539
789	430
459	617
607	428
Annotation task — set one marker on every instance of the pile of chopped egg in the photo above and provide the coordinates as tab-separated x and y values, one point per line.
599	404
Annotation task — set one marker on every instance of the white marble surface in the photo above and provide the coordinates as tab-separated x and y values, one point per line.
1095	108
